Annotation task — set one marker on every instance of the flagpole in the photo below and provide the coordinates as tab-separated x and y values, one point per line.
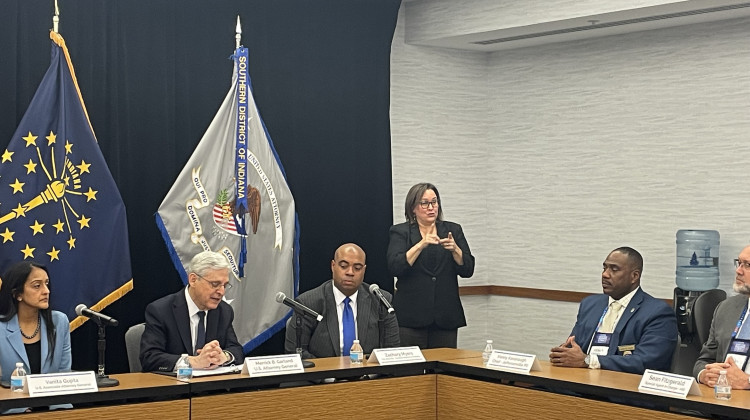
238	33
56	18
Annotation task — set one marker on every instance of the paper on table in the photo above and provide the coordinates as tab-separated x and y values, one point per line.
218	371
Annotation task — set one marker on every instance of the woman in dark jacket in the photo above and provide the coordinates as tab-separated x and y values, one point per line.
427	254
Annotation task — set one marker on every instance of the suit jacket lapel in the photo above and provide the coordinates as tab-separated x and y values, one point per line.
46	362
182	318
14	337
332	320
630	310
363	314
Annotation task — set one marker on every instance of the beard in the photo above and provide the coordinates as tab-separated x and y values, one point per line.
742	289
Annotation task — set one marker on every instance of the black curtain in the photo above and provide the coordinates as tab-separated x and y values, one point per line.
153	73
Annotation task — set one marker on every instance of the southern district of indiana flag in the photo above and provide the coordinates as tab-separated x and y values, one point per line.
232	198
59	205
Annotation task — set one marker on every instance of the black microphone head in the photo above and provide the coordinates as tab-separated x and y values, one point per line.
80	308
280	297
374	287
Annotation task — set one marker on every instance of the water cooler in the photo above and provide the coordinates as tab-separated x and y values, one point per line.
696	273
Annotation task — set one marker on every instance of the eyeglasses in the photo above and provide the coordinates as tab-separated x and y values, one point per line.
426	204
216	284
745	264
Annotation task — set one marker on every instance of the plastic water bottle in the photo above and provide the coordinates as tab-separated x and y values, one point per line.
487	352
184	370
722	389
18	378
356	353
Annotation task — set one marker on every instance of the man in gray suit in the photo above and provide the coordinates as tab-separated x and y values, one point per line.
728	344
326	338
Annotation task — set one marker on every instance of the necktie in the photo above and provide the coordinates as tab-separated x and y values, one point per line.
347	320
608	324
200	335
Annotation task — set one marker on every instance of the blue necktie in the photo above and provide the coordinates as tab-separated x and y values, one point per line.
200	335
347	320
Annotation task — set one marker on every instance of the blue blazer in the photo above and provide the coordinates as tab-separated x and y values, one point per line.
648	323
12	349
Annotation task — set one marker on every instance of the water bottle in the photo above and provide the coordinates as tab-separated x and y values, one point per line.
356	353
697	265
487	352
184	370
722	389
18	378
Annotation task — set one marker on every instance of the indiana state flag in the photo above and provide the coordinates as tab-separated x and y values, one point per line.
232	197
59	205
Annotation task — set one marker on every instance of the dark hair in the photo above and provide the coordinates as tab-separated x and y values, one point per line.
414	195
12	285
634	257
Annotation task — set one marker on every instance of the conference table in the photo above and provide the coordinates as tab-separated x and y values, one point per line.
449	384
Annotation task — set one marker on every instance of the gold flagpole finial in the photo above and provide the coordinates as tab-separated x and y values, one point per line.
56	18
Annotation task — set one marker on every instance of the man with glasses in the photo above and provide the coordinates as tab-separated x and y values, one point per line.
728	343
349	312
194	321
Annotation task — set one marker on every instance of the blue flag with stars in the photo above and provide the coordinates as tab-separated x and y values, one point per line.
59	205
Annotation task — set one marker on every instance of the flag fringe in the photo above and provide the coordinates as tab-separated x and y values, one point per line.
58	39
106	301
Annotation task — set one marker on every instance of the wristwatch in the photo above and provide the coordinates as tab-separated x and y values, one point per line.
230	357
587	360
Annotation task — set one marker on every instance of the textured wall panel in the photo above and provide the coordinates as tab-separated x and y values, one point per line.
552	156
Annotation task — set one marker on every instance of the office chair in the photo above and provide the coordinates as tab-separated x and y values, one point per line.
133	346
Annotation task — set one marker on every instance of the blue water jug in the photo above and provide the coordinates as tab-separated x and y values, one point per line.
697	267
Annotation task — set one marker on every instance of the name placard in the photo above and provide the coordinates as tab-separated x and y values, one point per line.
396	355
283	364
668	384
512	361
63	383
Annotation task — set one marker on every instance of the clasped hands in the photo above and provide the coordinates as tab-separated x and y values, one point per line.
210	356
568	354
737	378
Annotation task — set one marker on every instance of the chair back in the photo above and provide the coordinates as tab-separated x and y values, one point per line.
133	346
703	311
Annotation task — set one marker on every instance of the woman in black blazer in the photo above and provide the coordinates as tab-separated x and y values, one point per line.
427	254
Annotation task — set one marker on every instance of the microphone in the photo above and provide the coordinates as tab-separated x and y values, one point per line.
281	298
82	310
375	290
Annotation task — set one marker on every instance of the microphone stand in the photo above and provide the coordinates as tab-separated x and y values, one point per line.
102	380
381	326
298	324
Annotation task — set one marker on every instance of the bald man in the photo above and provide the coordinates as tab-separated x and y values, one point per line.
327	337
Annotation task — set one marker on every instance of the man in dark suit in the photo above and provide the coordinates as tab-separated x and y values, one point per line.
625	329
194	321
328	338
729	335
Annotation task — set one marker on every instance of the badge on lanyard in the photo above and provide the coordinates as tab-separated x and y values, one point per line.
738	350
600	343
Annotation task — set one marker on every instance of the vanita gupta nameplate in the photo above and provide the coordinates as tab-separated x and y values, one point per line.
63	383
